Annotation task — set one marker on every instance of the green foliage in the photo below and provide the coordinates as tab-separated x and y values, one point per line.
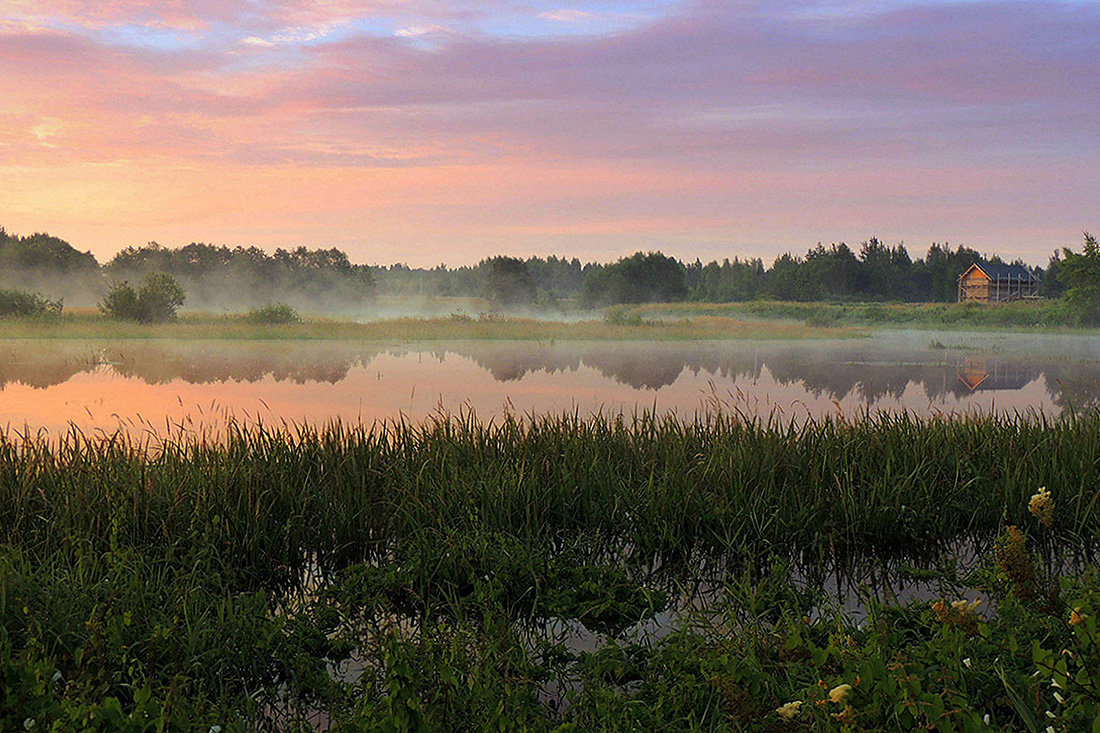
249	275
276	313
1080	273
639	278
22	303
43	252
507	281
414	577
155	301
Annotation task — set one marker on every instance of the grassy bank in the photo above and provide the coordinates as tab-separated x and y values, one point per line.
1032	315
184	582
87	325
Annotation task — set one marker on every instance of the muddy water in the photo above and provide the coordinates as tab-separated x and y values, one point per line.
141	385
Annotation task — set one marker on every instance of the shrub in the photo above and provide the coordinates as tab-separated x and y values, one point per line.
23	303
157	299
273	313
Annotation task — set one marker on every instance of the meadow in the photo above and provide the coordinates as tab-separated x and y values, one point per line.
1035	315
87	324
467	575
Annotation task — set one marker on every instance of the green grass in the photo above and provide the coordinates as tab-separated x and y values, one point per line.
86	325
157	582
1038	315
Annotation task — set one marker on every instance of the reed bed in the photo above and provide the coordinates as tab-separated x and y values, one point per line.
401	576
269	499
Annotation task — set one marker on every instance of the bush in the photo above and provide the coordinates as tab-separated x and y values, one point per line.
157	300
23	303
273	313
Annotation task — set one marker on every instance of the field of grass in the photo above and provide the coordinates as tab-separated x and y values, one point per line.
90	325
409	577
1030	315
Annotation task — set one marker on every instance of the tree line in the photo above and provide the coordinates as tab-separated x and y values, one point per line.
874	272
215	275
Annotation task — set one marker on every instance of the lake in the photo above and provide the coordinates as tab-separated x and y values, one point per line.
154	384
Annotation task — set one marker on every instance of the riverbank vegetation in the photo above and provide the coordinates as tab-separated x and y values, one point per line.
460	575
325	280
1019	315
276	323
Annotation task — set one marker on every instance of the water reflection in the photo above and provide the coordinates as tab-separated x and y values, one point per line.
889	371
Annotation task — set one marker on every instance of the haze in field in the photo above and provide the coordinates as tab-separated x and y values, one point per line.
449	130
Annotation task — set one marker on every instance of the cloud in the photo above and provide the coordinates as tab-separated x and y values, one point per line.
419	31
568	15
725	112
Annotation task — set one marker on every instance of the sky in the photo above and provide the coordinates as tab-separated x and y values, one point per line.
446	131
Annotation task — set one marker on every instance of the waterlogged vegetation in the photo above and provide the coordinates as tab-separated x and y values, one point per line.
553	573
275	323
1043	315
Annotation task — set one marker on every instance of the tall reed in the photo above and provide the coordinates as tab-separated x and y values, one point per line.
270	500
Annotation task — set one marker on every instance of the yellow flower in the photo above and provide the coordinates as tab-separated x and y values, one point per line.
1076	617
789	710
839	693
1042	507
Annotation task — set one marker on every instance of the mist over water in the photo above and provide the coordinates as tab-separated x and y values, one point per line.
143	384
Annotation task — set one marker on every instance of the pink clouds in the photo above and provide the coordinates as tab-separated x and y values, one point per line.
707	125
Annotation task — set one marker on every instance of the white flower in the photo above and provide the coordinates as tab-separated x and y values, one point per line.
967	663
29	723
789	710
840	693
57	676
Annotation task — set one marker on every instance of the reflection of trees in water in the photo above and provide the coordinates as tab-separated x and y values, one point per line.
1074	385
41	365
868	370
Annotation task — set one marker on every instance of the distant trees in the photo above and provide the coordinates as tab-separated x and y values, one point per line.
639	278
49	266
25	303
326	279
1080	273
157	299
43	252
215	275
507	281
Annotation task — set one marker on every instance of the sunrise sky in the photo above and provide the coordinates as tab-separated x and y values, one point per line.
449	130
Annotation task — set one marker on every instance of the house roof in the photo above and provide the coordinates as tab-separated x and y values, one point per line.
1000	271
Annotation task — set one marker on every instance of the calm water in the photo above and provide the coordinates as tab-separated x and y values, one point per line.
135	384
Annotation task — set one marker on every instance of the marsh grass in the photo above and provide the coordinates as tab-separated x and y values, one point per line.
1048	315
198	326
396	576
269	497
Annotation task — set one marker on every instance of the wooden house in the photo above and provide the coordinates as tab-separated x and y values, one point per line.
994	283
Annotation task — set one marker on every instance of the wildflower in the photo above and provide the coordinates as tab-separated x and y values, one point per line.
967	663
57	676
1050	715
1041	507
1076	617
985	718
839	693
846	716
29	723
1061	700
788	711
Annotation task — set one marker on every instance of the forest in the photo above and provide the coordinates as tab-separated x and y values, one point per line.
217	275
